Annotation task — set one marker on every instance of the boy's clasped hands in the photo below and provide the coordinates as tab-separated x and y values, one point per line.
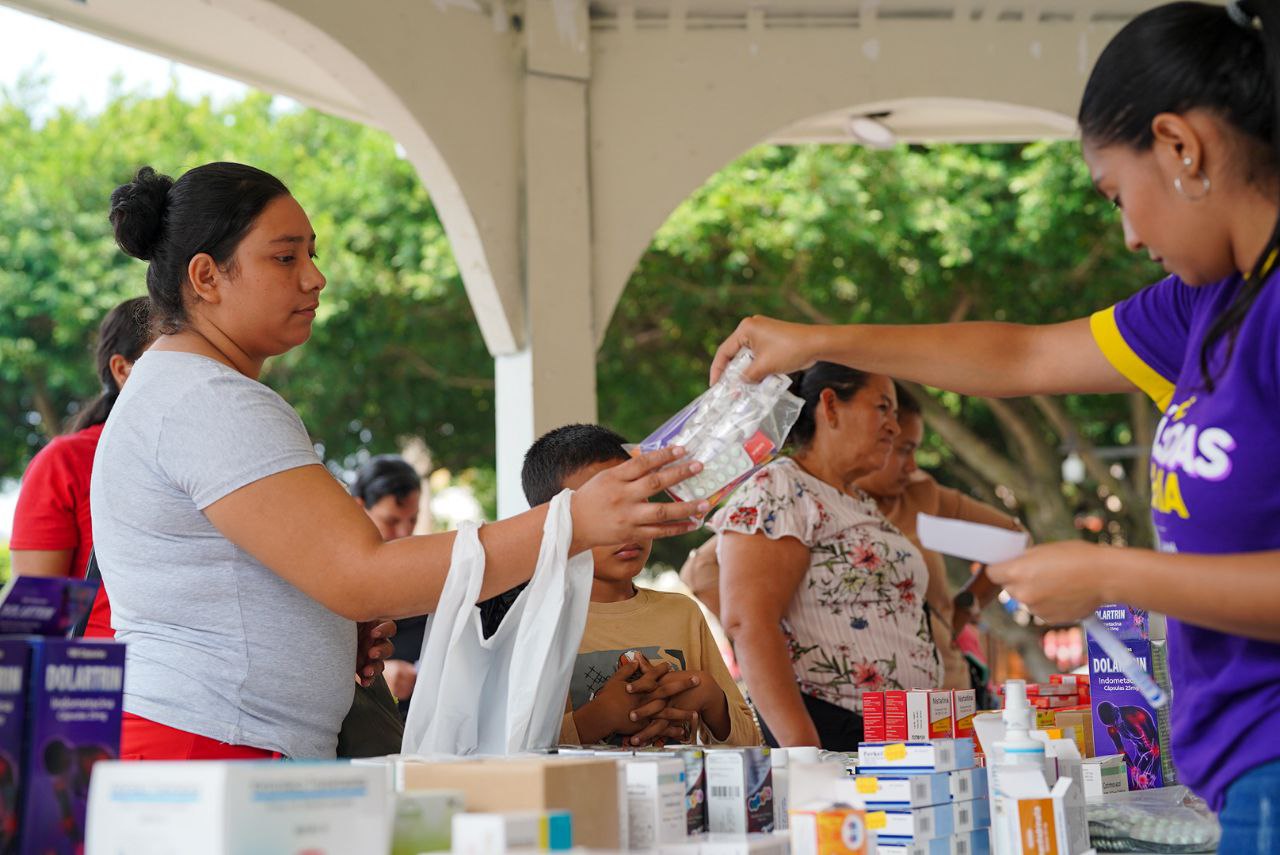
649	703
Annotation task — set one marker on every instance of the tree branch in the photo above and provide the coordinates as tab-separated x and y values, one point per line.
50	421
1038	454
1142	418
810	311
426	369
1135	505
995	467
961	309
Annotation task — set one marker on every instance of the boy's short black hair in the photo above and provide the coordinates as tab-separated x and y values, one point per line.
559	453
385	475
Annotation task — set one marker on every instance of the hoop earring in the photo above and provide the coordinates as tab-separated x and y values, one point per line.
1204	180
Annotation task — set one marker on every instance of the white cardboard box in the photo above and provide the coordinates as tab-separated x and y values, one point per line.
655	802
230	808
1103	776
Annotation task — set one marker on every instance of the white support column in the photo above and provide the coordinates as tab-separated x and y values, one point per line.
552	380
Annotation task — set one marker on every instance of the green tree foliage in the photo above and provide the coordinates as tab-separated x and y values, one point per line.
396	351
913	235
829	233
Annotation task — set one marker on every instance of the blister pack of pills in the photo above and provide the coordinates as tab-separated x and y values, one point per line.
1170	820
733	429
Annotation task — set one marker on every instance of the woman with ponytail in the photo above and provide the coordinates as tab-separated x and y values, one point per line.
1180	126
52	534
823	598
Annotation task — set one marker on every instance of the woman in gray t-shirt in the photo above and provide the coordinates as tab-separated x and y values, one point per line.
234	561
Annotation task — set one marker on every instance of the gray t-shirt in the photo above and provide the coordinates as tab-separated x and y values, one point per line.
217	644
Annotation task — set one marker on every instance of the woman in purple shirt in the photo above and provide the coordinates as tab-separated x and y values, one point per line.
1181	130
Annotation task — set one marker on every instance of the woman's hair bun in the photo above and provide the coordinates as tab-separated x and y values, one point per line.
138	212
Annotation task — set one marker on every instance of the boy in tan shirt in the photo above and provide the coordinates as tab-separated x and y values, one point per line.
648	669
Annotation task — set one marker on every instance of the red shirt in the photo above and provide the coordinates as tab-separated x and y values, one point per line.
53	510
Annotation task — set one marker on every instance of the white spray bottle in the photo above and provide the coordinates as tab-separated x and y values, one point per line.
1018	748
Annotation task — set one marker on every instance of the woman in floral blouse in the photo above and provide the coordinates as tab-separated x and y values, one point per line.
822	597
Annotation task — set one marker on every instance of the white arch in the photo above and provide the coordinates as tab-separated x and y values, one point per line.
668	110
470	172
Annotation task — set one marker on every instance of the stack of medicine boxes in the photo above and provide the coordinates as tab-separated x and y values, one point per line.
917	775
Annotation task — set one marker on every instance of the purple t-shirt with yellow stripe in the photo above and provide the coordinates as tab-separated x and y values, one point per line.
1215	477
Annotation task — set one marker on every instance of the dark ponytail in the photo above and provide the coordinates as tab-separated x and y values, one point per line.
809	385
167	223
126	331
1183	56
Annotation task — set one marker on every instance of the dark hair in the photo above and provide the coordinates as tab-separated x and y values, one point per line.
809	385
126	330
208	210
382	476
559	453
907	403
1181	56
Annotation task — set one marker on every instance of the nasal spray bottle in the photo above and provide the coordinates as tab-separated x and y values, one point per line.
1018	748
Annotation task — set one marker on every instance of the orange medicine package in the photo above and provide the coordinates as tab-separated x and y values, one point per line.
829	830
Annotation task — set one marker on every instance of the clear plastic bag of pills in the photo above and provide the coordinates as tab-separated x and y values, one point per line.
733	429
1170	819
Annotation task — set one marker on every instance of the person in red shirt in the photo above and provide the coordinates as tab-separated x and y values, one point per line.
52	533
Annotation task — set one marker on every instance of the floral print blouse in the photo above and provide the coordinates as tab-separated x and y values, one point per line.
857	621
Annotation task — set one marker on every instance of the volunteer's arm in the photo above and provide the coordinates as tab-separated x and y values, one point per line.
41	562
303	525
1063	582
758	578
984	358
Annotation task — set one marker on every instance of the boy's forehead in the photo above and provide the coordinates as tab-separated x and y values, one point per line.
582	475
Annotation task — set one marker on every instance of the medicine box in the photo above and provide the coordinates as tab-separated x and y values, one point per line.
964	706
1080	724
1123	721
656	802
938	755
496	833
972	815
976	843
912	823
1104	776
739	790
15	674
227	808
742	844
695	784
824	829
74	706
873	717
906	791
423	821
587	787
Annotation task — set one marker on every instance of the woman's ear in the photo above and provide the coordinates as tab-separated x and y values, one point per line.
120	368
205	278
828	402
1178	147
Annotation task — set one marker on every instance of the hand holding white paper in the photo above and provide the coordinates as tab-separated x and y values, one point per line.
991	545
504	694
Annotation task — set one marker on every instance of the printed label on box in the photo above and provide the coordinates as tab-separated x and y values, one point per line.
1123	721
74	711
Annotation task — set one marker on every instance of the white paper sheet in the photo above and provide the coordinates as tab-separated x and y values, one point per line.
971	541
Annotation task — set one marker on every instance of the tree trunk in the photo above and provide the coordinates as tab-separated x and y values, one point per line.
415	452
50	420
1027	640
1135	505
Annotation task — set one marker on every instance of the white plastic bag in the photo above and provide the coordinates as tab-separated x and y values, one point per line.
506	693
